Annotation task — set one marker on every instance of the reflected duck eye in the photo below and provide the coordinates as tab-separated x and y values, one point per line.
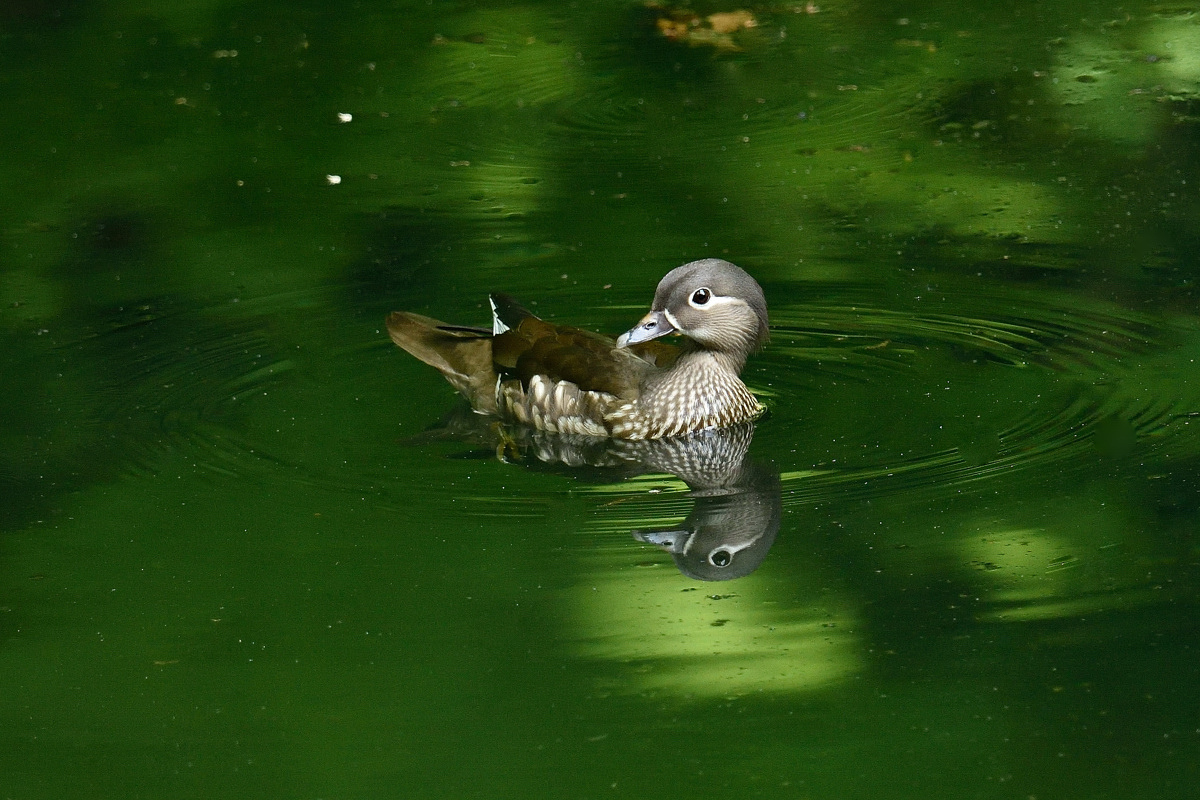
701	297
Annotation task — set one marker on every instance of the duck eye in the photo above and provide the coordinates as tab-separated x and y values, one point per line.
701	297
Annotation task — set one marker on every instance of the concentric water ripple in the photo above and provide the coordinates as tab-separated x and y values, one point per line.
175	384
1082	374
1080	369
1039	332
256	393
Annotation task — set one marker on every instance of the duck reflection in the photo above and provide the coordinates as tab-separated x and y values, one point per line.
737	501
731	527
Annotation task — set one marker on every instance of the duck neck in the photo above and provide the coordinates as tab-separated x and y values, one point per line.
702	390
729	362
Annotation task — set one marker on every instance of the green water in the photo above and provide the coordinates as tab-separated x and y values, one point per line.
233	565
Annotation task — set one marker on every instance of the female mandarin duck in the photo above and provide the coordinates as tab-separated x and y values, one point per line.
567	380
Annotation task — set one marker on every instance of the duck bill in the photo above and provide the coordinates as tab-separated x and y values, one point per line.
674	541
651	326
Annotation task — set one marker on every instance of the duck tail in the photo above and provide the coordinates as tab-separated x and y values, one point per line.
463	355
507	313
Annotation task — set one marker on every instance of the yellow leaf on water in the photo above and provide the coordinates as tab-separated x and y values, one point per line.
731	21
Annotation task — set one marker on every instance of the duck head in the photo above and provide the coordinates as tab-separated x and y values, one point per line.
714	303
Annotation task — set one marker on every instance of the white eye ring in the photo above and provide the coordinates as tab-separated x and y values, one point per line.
700	297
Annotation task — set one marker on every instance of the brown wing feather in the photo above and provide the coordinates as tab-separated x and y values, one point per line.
471	358
589	360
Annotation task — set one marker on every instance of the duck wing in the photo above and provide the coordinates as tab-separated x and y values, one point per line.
525	346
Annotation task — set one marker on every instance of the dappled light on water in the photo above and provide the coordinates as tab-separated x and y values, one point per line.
665	638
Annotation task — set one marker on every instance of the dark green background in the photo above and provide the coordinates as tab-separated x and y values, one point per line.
225	571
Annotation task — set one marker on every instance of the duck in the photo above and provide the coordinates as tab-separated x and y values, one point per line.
566	380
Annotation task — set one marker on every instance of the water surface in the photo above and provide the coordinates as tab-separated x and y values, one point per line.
234	562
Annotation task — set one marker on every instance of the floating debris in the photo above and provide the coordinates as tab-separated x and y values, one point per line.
715	30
